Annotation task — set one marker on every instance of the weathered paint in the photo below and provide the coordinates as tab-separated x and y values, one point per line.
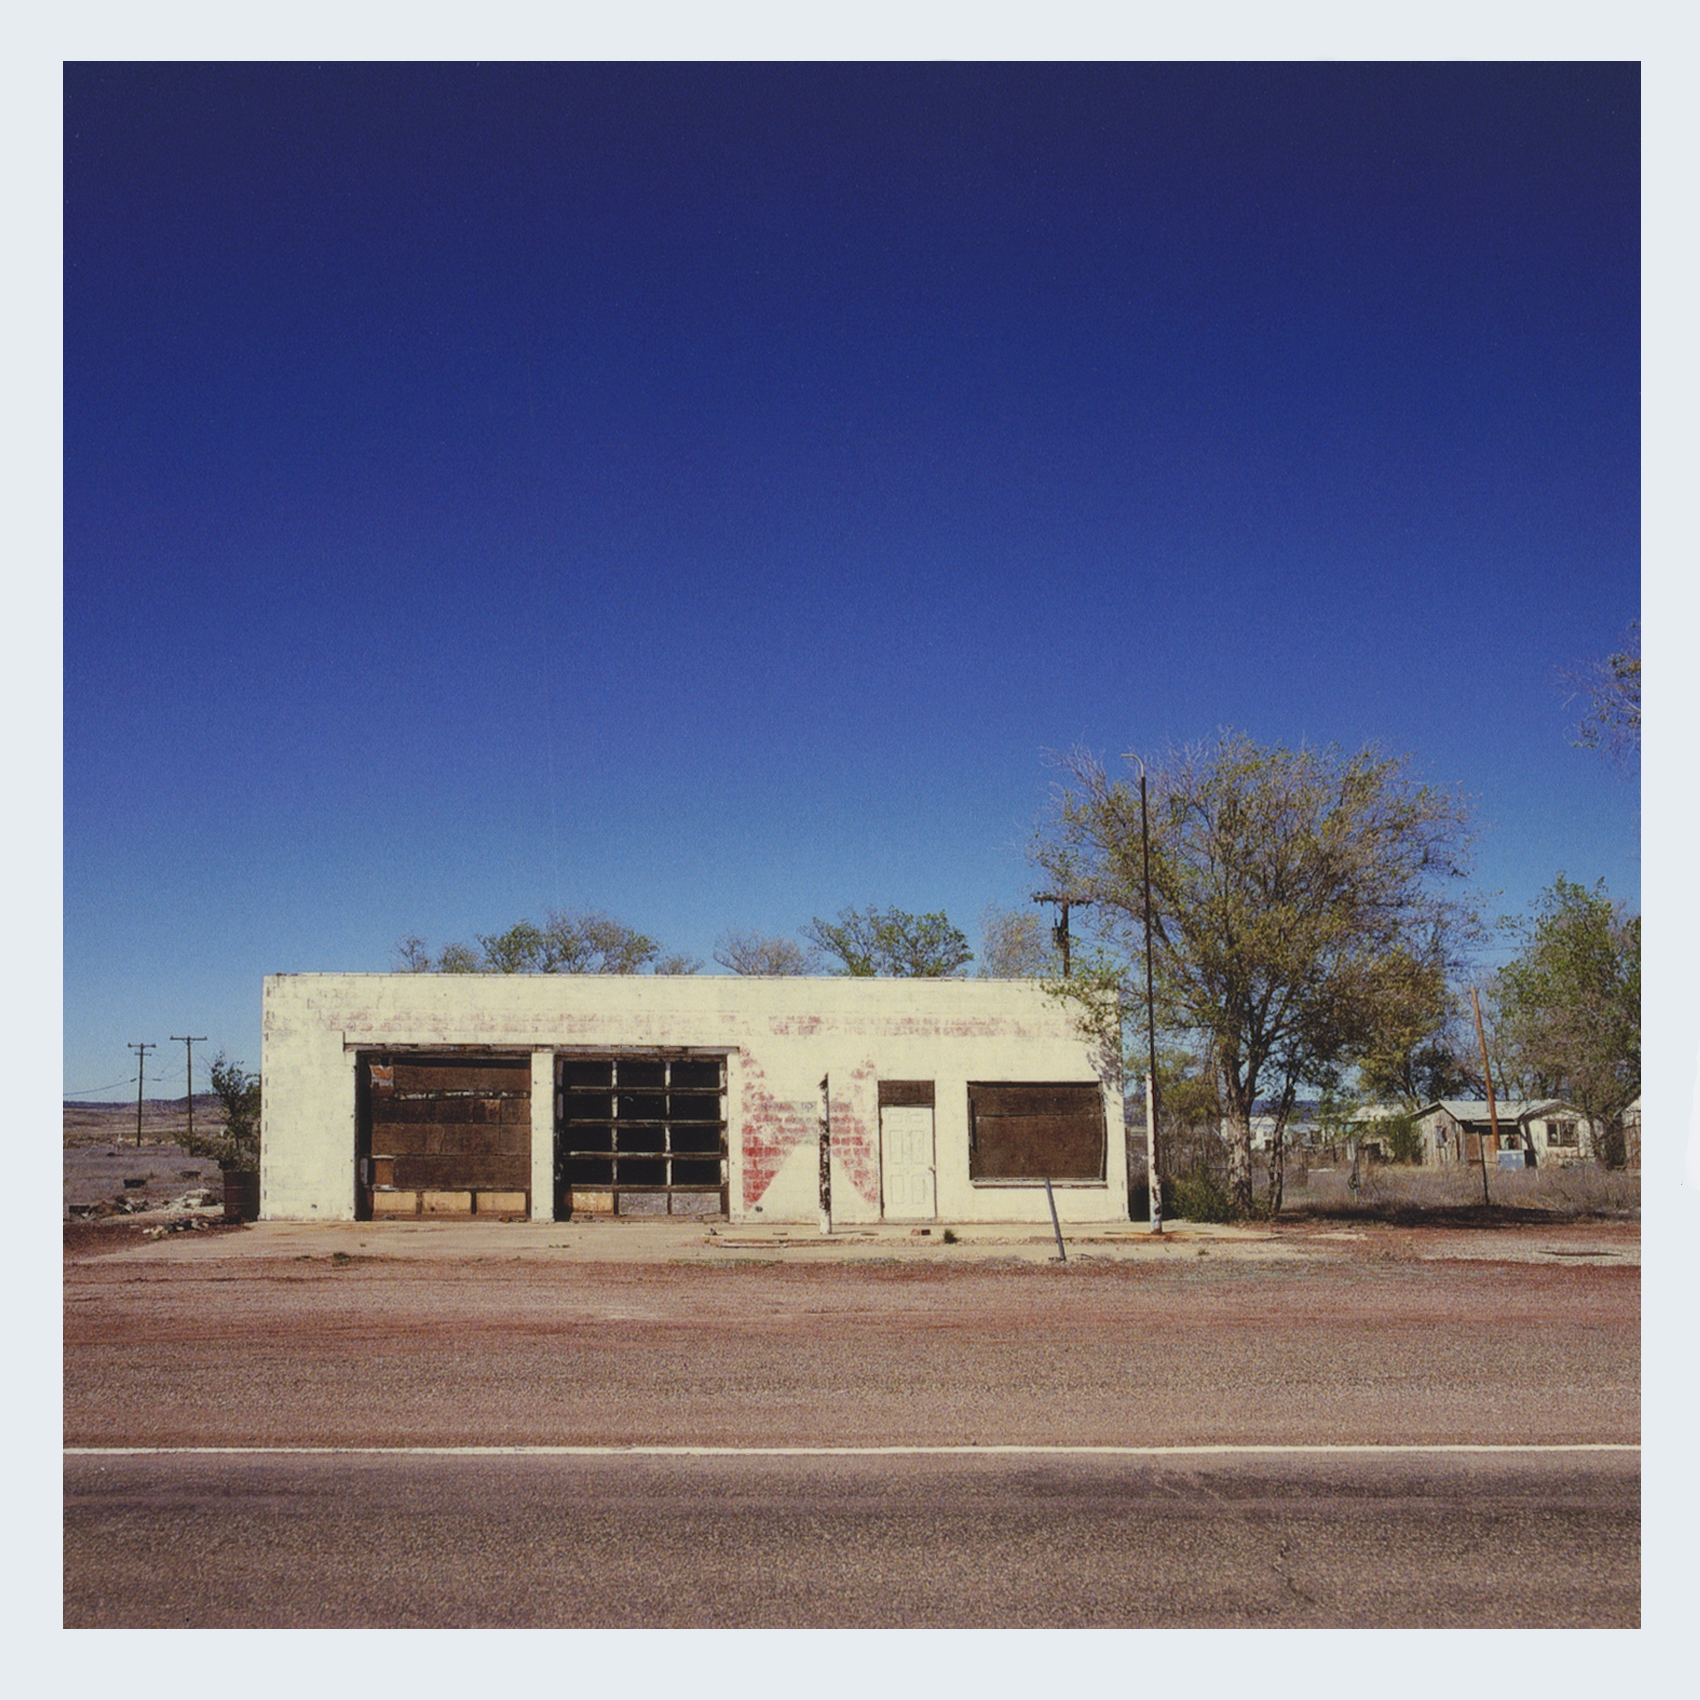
779	1037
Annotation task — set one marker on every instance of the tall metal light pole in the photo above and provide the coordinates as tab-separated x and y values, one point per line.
1153	1180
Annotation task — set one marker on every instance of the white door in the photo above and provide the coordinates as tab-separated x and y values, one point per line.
906	1162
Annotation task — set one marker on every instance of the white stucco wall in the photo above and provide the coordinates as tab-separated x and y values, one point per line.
780	1037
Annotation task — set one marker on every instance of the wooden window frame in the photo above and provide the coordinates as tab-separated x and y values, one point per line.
983	1095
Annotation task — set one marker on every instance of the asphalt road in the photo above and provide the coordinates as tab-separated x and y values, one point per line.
1518	1540
1365	1351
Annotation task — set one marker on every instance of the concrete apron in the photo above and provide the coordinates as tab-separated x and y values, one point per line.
637	1241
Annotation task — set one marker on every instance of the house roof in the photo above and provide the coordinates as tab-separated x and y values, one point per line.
1476	1109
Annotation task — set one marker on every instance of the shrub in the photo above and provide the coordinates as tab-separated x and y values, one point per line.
236	1145
1199	1195
1404	1139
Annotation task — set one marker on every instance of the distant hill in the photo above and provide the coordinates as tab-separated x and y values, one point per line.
163	1119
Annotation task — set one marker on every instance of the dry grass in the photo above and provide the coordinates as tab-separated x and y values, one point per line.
1393	1192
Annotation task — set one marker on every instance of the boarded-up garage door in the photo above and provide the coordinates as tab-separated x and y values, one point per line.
1023	1132
445	1135
640	1134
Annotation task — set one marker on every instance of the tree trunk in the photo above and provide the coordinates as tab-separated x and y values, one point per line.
1238	1125
1277	1168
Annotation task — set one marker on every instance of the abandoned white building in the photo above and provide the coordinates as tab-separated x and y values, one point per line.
546	1097
1547	1130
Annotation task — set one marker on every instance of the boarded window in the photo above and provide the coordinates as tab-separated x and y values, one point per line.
1035	1132
448	1134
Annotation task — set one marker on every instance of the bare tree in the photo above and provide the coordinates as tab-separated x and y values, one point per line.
758	955
1611	689
677	962
1016	945
411	955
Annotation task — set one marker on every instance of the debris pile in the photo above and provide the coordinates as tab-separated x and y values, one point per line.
122	1204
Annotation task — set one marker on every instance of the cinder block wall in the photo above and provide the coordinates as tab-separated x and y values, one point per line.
780	1036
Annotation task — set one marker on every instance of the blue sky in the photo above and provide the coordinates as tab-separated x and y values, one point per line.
705	493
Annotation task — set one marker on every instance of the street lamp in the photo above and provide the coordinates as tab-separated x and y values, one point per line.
1153	1180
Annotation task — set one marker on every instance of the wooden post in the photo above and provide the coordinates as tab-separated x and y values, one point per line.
1487	1077
825	1156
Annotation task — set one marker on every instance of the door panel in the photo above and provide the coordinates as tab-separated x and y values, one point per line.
907	1176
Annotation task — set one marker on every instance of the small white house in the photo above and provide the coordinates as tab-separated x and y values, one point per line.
1558	1132
548	1097
1455	1130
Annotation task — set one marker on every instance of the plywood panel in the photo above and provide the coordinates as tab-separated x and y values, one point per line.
1036	1132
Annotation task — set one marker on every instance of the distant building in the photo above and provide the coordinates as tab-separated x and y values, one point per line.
1300	1131
1456	1131
551	1097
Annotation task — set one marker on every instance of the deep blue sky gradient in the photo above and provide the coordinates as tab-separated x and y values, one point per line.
705	493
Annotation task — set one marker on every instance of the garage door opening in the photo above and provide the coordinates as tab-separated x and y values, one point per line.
442	1135
640	1134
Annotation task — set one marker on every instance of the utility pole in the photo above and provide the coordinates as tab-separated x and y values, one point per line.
1153	1178
141	1069
1487	1076
1060	931
189	1072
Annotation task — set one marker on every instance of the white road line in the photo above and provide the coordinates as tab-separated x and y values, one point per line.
1419	1449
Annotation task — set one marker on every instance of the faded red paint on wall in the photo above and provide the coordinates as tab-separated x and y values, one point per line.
796	1026
856	1140
772	1129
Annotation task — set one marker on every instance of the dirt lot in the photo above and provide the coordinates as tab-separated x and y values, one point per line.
197	1341
108	1176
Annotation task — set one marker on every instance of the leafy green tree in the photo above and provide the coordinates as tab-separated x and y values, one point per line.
522	949
891	942
1420	1051
582	941
236	1142
758	955
1016	944
1570	1004
1282	884
1189	1112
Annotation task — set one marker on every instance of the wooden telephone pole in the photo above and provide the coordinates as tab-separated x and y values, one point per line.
1060	931
189	1072
141	1069
1487	1077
